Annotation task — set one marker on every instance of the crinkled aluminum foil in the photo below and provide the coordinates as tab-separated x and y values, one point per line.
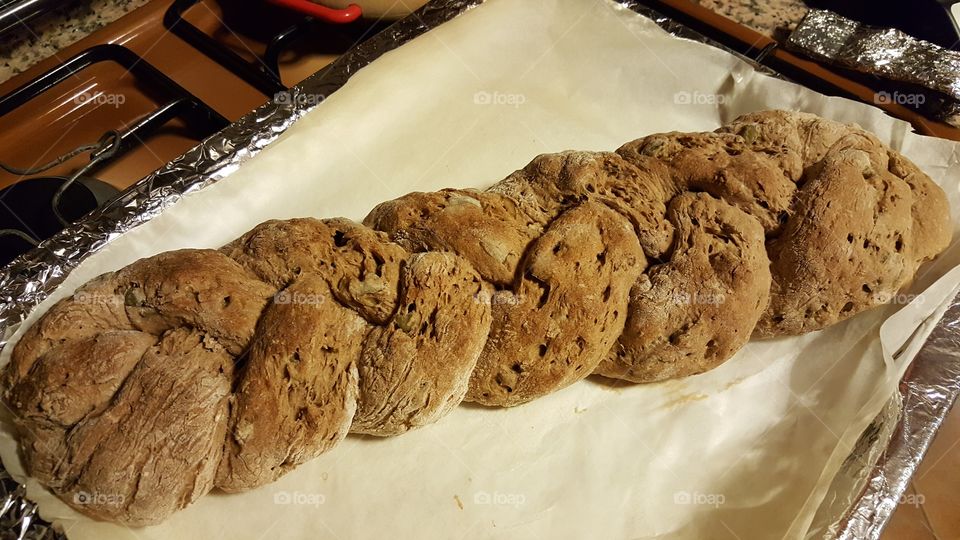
847	486
887	52
928	390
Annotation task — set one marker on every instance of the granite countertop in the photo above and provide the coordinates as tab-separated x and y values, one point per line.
773	18
47	34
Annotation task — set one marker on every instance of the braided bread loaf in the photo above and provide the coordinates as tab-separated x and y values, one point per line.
198	369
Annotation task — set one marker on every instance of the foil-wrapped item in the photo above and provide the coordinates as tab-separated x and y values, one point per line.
926	391
884	51
889	53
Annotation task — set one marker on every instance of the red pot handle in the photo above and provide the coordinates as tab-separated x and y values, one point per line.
324	13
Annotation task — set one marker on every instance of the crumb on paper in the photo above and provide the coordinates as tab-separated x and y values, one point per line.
733	383
683	400
459	502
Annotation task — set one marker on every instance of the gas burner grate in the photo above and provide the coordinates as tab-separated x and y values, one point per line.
264	72
35	208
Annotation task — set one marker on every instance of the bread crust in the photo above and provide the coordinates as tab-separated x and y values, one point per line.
297	394
690	314
565	311
415	369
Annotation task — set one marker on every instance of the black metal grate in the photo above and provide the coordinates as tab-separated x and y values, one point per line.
27	215
264	72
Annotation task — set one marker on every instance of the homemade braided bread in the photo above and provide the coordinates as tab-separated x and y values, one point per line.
201	369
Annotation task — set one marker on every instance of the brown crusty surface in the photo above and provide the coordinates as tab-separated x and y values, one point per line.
298	392
360	265
850	243
566	310
94	308
201	369
155	447
415	369
487	229
722	165
692	313
863	219
56	396
125	322
552	183
195	288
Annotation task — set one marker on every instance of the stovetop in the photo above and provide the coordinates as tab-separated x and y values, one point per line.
15	12
100	115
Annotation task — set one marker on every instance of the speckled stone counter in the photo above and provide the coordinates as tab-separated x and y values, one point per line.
47	34
774	18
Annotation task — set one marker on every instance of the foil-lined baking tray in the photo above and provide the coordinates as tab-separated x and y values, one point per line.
27	281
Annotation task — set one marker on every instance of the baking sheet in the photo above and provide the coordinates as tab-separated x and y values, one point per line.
462	106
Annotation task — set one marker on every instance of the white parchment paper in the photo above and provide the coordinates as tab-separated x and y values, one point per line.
744	451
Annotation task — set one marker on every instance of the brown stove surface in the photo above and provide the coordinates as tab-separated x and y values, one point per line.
218	58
